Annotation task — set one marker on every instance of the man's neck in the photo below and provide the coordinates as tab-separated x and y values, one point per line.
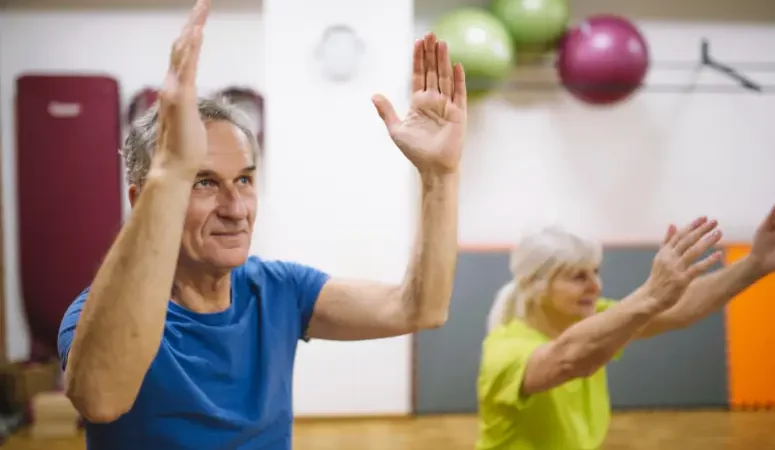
200	291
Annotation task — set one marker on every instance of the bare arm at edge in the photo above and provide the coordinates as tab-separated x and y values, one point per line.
122	320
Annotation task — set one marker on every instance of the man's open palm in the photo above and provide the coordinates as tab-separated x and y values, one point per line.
432	134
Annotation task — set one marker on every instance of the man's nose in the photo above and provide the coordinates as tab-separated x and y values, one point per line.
231	205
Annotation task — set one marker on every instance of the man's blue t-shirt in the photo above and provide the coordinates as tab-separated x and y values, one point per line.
221	380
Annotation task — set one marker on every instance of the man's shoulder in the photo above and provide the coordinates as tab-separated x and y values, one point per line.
277	270
254	268
77	303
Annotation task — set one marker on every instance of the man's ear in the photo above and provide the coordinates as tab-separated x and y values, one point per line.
134	192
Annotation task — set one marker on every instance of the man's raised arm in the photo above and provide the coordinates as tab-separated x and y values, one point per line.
431	137
122	319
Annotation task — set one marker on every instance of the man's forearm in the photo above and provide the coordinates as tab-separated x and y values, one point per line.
710	293
427	287
122	321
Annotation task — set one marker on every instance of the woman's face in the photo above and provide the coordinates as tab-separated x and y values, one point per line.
574	293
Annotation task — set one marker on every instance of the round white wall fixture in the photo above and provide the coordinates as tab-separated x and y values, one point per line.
339	53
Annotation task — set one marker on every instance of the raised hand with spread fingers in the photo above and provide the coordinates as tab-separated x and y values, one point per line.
432	134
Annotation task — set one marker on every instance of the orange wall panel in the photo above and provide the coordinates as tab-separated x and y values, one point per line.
751	341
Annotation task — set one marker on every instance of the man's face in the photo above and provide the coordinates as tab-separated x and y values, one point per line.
222	206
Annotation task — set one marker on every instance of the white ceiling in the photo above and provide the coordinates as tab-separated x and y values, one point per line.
222	5
691	10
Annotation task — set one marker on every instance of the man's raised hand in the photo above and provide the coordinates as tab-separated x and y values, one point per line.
182	138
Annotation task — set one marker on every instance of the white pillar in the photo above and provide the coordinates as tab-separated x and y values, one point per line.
338	194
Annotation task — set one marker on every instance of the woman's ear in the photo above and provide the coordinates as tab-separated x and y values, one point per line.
535	281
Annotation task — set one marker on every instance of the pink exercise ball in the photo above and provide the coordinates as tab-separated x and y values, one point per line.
603	60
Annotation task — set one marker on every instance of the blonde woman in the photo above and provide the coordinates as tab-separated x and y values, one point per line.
542	382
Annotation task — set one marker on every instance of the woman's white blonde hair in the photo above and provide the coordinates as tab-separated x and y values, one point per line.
535	261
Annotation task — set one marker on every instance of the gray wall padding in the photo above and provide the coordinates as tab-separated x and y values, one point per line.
447	359
680	369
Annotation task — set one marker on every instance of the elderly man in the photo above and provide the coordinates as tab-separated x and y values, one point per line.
185	341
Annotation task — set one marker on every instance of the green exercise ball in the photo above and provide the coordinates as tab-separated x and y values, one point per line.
481	43
533	23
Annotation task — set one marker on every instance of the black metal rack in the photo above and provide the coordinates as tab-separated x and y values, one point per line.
744	81
731	70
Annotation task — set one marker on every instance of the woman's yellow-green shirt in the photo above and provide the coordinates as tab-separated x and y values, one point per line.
573	416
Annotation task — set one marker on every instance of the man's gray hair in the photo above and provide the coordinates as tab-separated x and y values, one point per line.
141	141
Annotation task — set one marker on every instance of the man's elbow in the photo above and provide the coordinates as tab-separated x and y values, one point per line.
419	311
431	321
101	414
94	411
94	405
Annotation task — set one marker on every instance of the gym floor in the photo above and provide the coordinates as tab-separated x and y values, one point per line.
706	430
